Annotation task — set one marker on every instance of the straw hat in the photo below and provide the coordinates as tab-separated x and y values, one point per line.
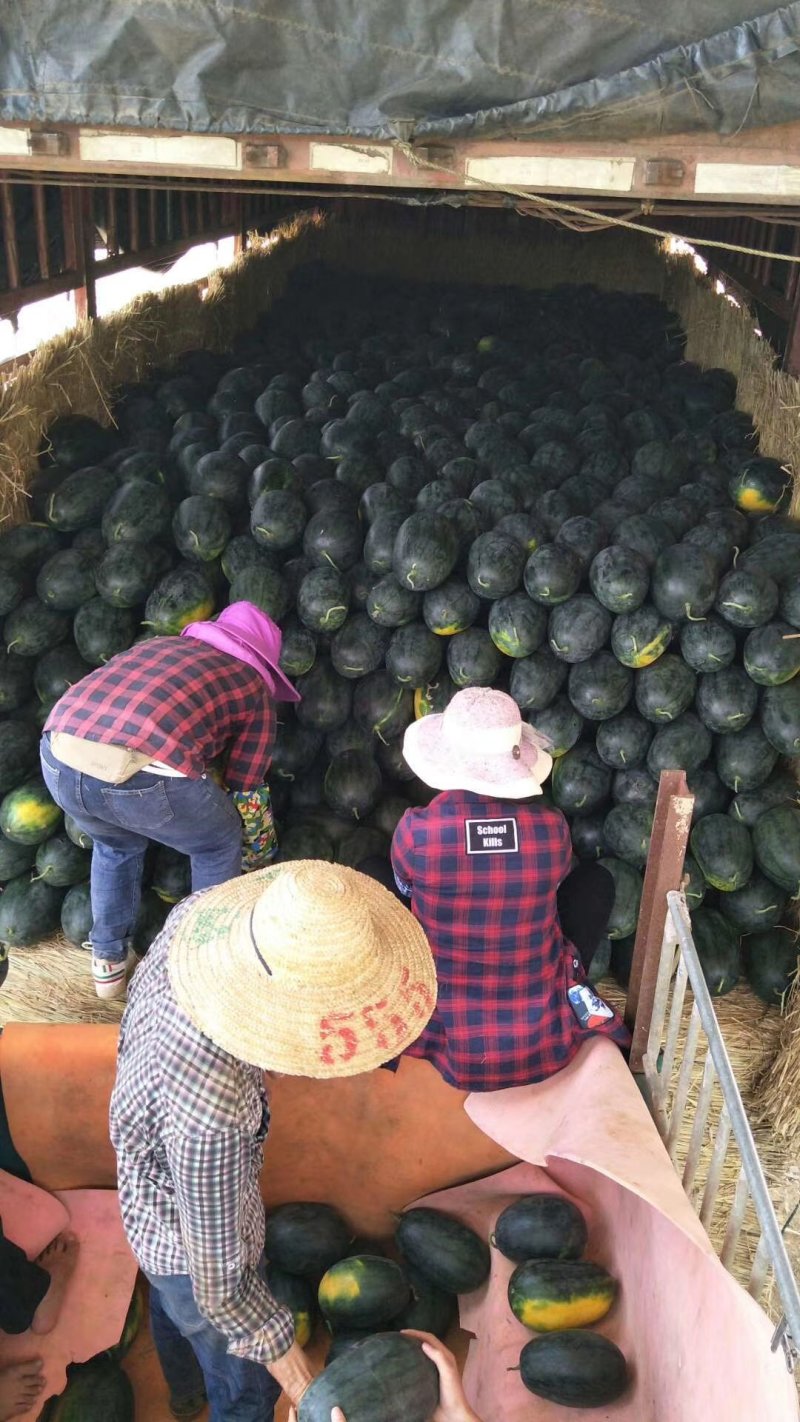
480	743
305	968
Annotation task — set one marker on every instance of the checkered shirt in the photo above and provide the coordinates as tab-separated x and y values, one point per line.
504	966
188	1123
180	701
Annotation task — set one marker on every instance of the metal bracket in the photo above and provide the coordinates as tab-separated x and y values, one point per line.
440	155
264	155
663	172
48	143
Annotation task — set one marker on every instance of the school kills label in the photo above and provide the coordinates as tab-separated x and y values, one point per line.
590	1010
491	836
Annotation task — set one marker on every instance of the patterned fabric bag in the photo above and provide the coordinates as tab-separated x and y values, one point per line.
259	837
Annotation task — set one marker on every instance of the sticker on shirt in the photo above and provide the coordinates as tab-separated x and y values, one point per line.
590	1010
492	836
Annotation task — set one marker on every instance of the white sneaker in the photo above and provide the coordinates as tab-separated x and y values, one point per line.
110	976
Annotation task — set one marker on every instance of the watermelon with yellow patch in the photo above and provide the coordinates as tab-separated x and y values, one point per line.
760	486
434	697
28	815
363	1291
298	1296
550	1294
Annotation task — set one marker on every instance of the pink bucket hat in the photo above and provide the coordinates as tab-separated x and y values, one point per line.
249	634
480	743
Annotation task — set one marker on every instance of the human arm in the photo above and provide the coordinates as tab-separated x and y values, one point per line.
213	1176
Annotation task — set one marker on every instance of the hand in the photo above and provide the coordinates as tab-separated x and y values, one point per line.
336	1415
453	1405
292	1373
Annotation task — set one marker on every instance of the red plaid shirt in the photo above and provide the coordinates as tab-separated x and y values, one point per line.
179	701
504	966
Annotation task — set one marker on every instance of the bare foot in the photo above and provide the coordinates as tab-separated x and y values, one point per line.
20	1385
59	1259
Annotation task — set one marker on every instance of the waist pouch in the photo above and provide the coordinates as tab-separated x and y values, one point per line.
113	764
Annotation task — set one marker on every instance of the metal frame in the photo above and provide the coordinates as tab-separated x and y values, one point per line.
667	1082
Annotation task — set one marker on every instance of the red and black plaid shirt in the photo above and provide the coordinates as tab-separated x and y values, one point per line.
504	967
179	701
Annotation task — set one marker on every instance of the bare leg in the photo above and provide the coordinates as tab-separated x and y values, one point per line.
20	1385
59	1259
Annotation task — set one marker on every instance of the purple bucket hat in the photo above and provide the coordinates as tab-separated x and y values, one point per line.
246	632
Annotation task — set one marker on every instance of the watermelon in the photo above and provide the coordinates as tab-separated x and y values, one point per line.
726	700
73	441
201	528
298	649
425	551
587	834
626	833
98	1386
76	834
326	697
361	844
414	655
15	858
26	548
359	646
634	787
559	724
517	624
770	962
179	598
776	845
627	896
136	513
33	628
172	874
581	782
578	628
639	638
381	706
61	863
495	565
12	590
386	1376
772	654
684	583
683	744
745	760
332	538
573	1368
789	606
694	885
65	581
759	904
665	690
28	815
379	542
444	1250
536	679
19	752
552	574
323	600
264	587
152	915
362	1291
622	742
433	697
549	1295
30	909
473	658
127	574
780	716
747	598
724	852
391	605
76	915
353	784
717	947
100	631
775	555
707	645
540	1226
760	486
781	788
599	688
583	535
80	499
306	842
220	475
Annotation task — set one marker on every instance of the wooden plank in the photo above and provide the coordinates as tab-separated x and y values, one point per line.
40	222
10	236
664	871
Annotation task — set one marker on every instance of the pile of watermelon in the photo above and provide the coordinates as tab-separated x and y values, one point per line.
430	488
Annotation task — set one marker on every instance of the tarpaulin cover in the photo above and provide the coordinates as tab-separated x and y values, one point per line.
410	69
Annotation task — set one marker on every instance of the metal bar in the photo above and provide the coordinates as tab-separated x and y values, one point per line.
670	834
699	1124
657	1080
735	1219
10	237
184	208
133	219
674	1021
684	1082
751	1165
40	223
759	1271
715	1168
112	242
152	215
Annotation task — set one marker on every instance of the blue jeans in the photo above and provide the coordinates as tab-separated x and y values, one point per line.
238	1390
195	817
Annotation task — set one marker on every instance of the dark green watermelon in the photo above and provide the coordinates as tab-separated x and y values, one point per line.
790	602
747	598
127	574
182	596
152	915
639	638
80	499
391	605
634	787
425	551
12	589
552	574
100	631
627	897
622	742
776	845
724	851
76	915
581	782
619	578
25	548
74	441
586	832
19	751
242	552
33	628
382	706
559	724
772	654
684	583
517	624
707	645
380	540
15	859
536	680
136	513
326	697
30	910
323	600
782	788
645	534
694	885
599	688
298	649
266	588
359	647
453	607
333	538
717	947
353	784
473	658
578	628
16	680
626	833
665	690
201	528
726	700
65	581
683	744
758	905
771	962
745	760
777	556
780	716
62	863
414	655
495	565
221	475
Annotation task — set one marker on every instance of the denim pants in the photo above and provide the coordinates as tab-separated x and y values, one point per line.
195	817
238	1390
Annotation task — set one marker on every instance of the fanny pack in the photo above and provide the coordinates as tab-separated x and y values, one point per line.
113	764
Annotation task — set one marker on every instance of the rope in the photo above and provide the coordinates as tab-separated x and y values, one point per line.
556	205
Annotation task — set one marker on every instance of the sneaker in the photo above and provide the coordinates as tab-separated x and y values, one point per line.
110	975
